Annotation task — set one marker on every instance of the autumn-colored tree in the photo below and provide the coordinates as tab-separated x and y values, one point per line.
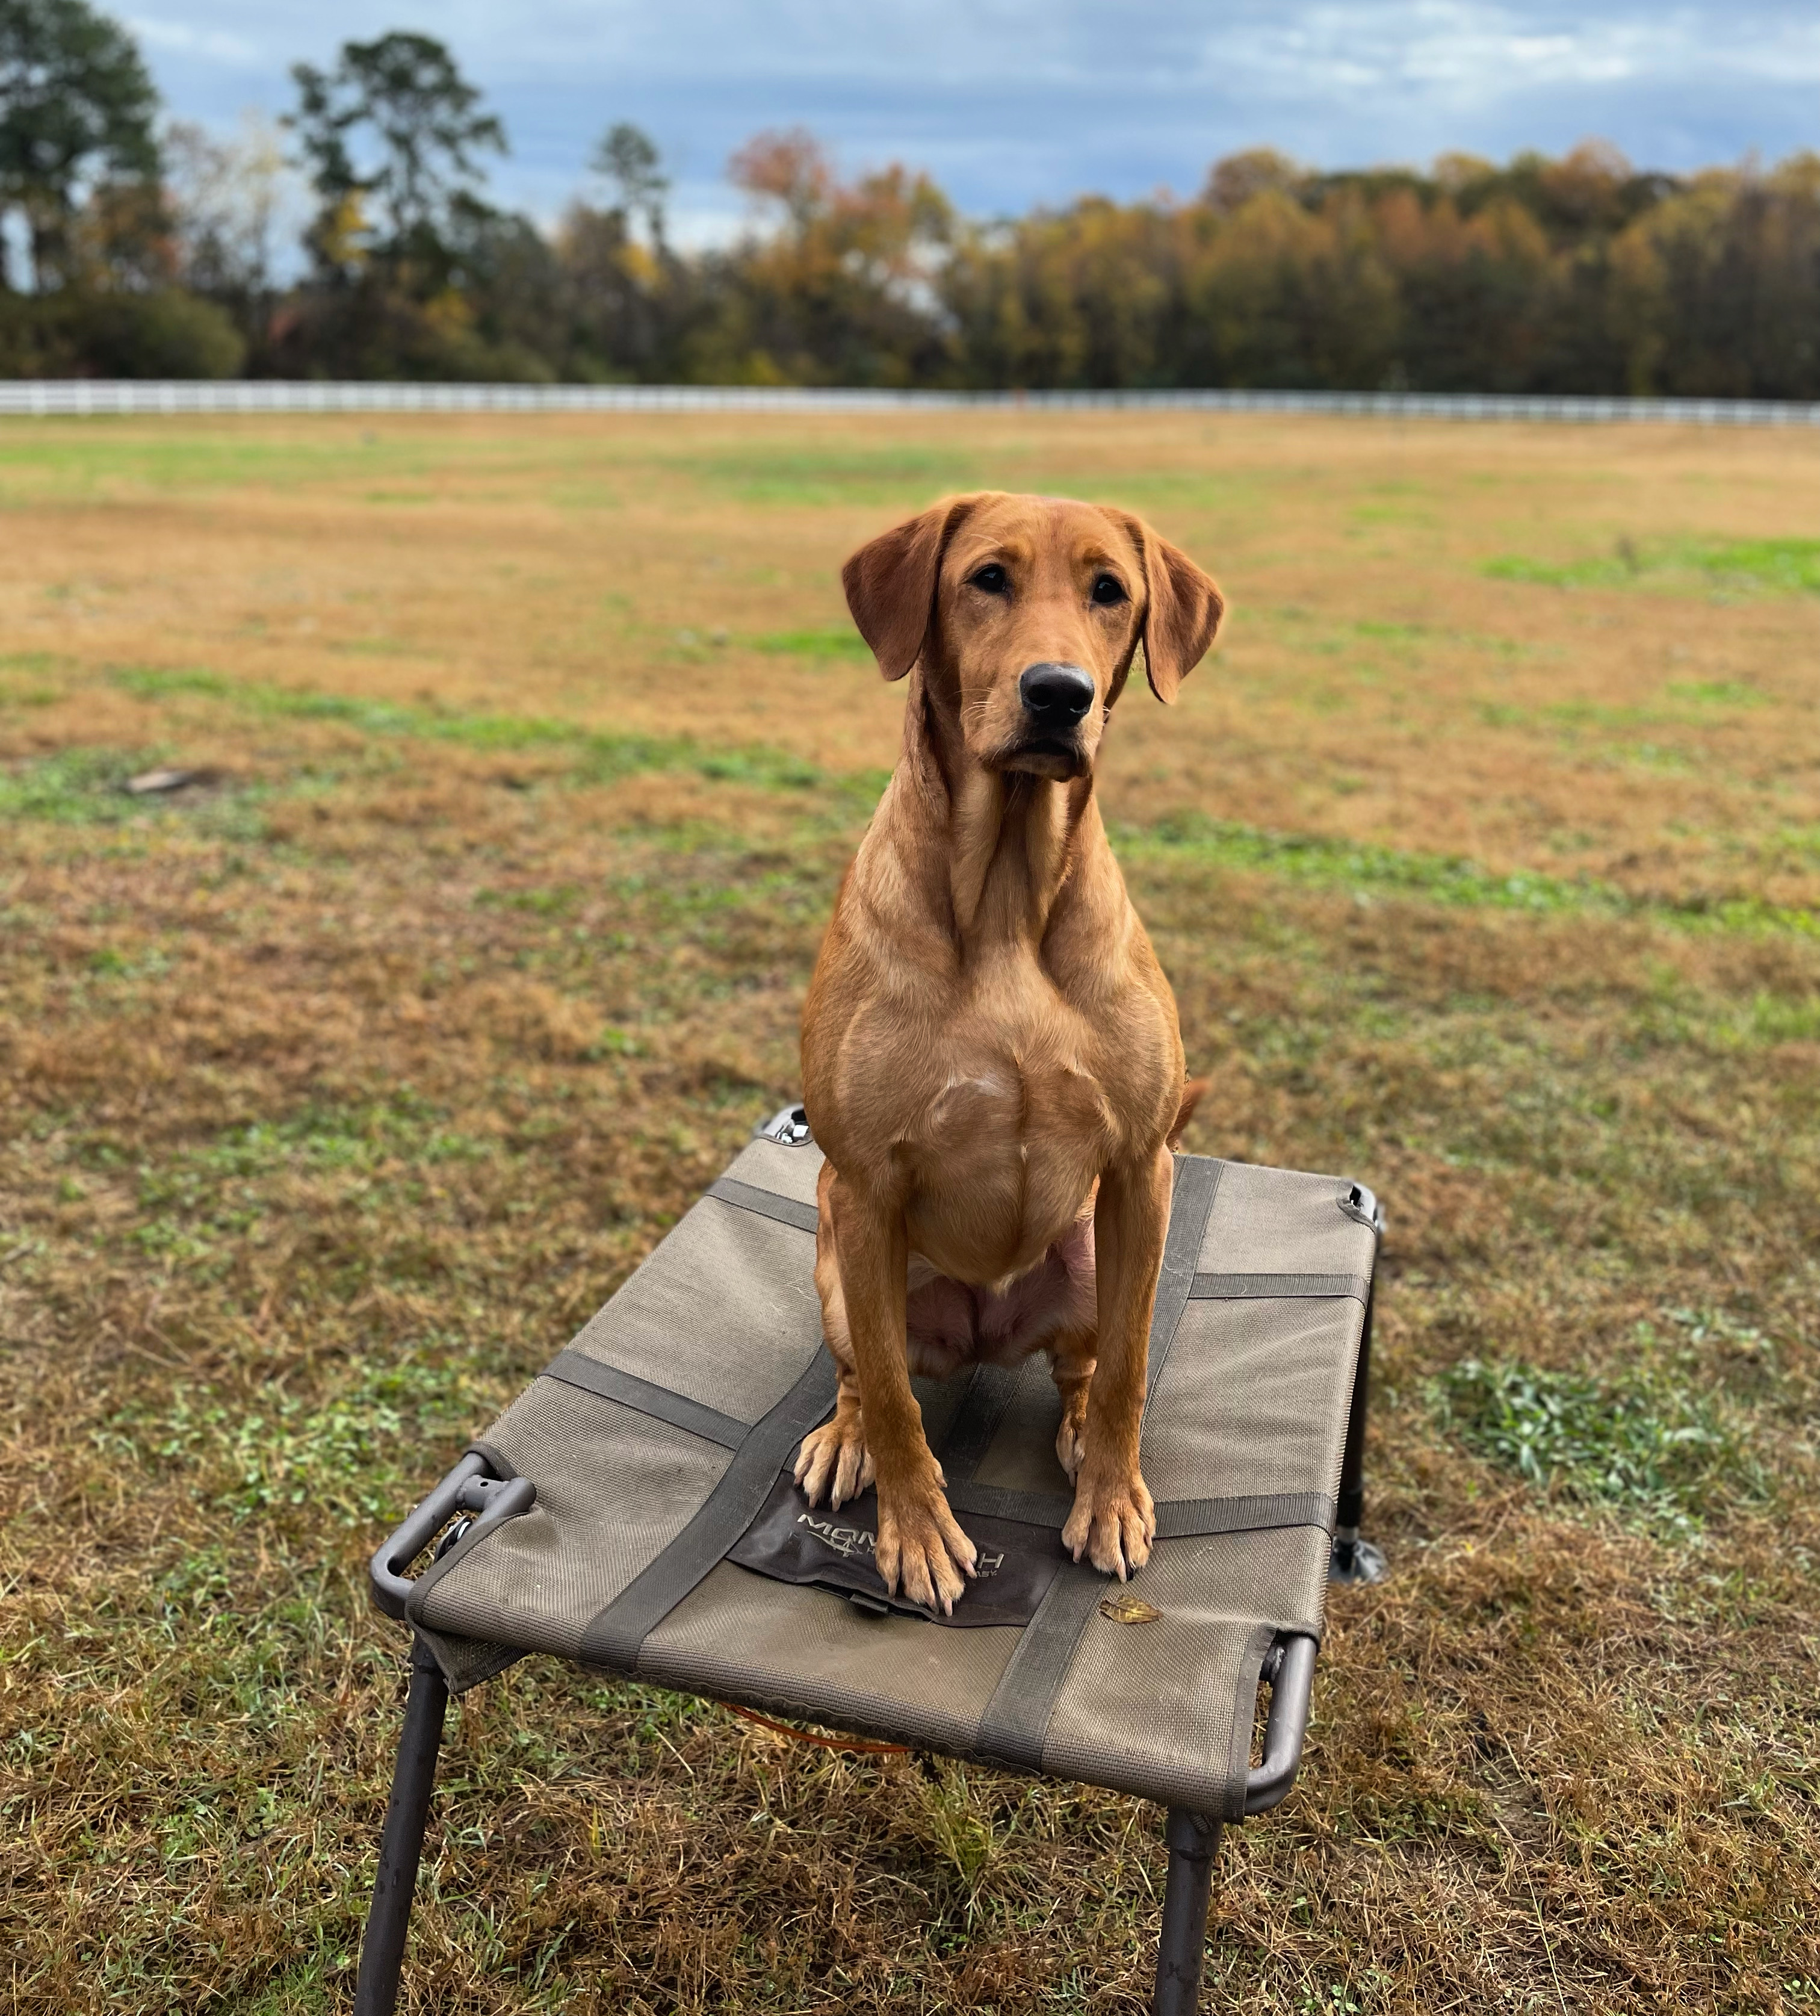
1076	298
1580	273
1722	285
1281	295
1575	275
839	290
1472	292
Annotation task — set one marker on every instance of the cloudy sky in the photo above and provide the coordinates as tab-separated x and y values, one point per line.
1011	102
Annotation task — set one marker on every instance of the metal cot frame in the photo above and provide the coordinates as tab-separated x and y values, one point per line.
471	1495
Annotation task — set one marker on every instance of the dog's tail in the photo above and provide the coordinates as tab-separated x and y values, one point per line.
1191	1098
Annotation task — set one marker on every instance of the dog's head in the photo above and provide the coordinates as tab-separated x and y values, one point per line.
1026	613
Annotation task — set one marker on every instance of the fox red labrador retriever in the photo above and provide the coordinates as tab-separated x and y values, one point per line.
991	1062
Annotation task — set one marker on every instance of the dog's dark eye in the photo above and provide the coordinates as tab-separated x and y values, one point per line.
1107	589
990	579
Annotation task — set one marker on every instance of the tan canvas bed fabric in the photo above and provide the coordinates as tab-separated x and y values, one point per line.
664	1524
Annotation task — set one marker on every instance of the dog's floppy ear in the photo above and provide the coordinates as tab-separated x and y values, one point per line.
1182	614
890	584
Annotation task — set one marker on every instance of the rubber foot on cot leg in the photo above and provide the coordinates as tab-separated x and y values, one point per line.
1355	1560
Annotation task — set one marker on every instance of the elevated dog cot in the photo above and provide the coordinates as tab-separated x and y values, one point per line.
632	1511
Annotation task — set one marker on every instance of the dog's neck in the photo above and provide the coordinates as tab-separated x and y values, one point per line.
1008	840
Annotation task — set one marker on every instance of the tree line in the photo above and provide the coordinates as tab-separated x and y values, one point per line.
132	247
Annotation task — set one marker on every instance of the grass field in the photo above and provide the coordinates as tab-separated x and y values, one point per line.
1484	857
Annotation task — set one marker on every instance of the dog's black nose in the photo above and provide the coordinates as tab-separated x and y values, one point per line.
1056	696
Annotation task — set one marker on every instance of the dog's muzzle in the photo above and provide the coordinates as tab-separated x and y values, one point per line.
1055	699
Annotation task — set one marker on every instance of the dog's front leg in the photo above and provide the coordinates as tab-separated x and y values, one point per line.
920	1545
1114	1520
833	1462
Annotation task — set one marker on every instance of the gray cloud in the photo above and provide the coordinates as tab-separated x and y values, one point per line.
1011	102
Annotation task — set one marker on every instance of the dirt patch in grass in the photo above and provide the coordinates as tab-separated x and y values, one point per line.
339	1093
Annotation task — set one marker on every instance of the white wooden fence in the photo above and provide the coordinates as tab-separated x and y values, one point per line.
65	397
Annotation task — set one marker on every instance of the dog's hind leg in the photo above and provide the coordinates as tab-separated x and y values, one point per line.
1076	1345
1072	1365
1191	1094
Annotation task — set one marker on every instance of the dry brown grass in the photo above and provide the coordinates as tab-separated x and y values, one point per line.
338	1093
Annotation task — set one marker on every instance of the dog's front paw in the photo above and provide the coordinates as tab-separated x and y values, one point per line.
1114	1522
921	1548
834	1461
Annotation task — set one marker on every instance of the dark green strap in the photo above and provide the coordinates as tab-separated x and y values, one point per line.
1016	1725
1177	1518
1194	1518
1197	1181
766	1204
1023	1508
1017	1717
976	1422
1016	1721
1274	1288
609	1383
615	1636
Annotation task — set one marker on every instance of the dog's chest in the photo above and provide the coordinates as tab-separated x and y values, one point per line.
1002	1165
1011	1131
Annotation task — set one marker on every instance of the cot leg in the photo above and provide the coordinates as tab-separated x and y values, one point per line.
1193	1844
1355	1559
382	1953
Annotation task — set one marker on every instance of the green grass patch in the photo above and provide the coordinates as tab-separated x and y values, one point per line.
1789	566
904	477
161	682
1773	566
1325	861
1715	692
1649	1440
210	1184
77	787
87	787
1689	706
105	459
555	902
201	1206
82	786
1602	572
1328	862
342	1457
596	756
845	642
1398	633
24	677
